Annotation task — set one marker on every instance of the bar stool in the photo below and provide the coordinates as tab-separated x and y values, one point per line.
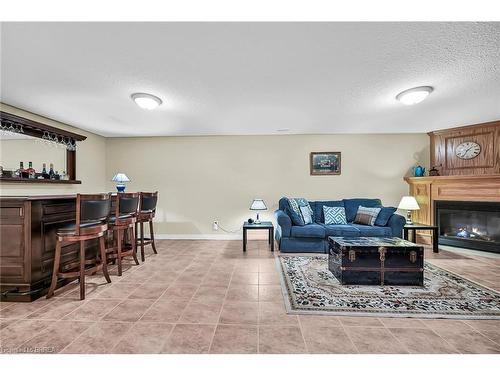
122	221
92	211
147	210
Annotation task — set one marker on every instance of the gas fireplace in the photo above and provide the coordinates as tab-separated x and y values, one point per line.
472	225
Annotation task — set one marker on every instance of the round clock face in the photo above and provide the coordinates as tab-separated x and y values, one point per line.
468	150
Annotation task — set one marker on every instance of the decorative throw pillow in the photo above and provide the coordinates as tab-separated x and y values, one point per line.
295	212
334	215
366	215
384	216
306	214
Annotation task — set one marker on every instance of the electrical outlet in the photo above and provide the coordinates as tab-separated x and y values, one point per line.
215	225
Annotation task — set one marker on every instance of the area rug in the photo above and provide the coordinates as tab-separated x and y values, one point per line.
310	288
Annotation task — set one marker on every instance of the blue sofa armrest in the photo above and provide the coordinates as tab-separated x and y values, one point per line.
397	222
284	223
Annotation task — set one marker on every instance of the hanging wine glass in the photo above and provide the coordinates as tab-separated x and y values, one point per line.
11	128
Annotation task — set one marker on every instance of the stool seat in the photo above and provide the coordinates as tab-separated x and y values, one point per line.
70	229
112	219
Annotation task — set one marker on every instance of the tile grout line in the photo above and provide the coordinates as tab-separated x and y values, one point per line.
222	308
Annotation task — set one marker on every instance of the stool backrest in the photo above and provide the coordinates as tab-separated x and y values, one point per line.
92	208
126	204
148	201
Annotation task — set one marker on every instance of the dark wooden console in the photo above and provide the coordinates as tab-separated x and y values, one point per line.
27	243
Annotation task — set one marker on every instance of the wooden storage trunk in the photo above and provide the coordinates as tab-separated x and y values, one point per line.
376	261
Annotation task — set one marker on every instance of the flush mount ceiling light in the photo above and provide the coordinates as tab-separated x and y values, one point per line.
146	101
414	95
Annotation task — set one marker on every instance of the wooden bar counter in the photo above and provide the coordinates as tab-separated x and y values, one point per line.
28	226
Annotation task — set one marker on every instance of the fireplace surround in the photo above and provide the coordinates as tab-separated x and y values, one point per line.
472	225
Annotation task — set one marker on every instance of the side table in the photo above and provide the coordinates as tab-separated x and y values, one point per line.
418	226
267	225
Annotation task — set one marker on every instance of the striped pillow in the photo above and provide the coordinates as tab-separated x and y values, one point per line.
367	215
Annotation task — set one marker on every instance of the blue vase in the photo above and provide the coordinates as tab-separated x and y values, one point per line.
419	171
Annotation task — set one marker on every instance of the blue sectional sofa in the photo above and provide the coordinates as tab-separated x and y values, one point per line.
313	238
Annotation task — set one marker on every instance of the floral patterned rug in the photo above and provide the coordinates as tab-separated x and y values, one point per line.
310	288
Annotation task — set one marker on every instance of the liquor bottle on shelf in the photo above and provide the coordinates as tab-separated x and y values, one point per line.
31	171
58	176
19	172
52	174
64	176
45	175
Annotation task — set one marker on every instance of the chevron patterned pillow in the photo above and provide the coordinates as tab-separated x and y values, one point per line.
366	215
334	215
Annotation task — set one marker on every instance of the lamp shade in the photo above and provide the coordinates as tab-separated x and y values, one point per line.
120	177
258	205
408	203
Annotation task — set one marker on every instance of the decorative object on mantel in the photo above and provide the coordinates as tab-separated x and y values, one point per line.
310	288
324	163
419	171
120	179
433	171
409	204
258	205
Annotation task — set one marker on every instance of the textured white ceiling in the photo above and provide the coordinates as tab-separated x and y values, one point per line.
252	78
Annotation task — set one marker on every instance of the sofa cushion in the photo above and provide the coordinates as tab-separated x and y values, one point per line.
334	215
317	208
308	231
369	231
341	230
351	206
384	216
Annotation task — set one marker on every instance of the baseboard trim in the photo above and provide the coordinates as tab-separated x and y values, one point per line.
198	236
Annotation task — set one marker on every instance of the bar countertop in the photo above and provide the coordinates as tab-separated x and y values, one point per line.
37	197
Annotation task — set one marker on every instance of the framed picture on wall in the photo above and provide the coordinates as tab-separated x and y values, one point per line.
324	163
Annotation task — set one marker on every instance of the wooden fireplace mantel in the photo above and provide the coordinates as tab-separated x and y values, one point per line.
427	190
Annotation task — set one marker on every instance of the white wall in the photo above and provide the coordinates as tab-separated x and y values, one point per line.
90	162
202	179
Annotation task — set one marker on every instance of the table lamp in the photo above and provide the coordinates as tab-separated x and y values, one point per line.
410	204
120	178
258	205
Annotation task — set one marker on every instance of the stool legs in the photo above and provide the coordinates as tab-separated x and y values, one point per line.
102	248
82	270
119	251
142	241
152	235
57	261
134	245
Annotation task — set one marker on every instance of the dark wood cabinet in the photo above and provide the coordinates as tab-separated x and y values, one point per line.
28	228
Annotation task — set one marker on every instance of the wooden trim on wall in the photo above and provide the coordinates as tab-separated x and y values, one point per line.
36	129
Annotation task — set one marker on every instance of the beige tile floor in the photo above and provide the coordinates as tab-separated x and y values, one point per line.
209	297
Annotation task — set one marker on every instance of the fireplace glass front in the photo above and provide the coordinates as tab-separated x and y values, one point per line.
473	225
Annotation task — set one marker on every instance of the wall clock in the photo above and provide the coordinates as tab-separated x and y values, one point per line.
468	150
